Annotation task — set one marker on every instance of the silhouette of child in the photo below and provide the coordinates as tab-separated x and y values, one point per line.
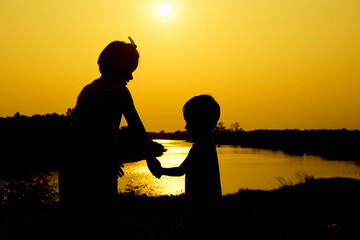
201	168
88	182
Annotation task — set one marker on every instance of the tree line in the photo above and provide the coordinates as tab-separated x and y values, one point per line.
42	142
338	144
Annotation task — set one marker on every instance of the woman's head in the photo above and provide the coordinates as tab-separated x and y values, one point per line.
118	58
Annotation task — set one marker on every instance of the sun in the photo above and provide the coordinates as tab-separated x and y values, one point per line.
164	9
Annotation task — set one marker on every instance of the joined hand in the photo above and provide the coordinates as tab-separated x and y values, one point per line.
154	166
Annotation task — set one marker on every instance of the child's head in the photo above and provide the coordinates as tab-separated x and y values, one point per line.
201	114
118	58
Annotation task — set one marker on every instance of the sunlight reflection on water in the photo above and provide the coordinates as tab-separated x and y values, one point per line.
139	180
240	168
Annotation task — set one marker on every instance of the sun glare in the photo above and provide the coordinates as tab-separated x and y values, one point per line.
164	9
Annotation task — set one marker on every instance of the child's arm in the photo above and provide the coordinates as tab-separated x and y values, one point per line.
175	171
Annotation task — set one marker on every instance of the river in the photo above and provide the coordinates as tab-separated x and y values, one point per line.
240	168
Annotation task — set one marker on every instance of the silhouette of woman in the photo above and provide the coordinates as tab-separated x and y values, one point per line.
88	181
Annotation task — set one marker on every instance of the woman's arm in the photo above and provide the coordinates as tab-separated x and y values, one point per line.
138	129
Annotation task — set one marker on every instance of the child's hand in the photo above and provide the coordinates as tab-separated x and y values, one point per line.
154	166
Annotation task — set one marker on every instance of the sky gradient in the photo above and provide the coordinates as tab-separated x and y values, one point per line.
272	64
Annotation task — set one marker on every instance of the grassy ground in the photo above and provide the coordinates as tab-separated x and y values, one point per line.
315	209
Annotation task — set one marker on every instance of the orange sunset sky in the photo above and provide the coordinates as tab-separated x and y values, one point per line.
271	64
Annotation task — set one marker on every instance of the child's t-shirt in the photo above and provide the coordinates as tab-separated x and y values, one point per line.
202	177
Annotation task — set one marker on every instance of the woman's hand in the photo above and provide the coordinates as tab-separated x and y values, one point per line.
154	166
119	171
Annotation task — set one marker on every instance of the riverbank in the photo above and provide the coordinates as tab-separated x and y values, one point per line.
315	209
338	144
335	144
41	142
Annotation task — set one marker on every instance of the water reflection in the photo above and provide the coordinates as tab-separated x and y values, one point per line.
139	180
239	168
261	169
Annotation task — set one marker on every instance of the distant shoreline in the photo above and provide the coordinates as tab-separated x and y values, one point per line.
338	144
41	142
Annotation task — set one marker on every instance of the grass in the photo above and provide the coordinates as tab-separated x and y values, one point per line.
310	209
28	190
301	177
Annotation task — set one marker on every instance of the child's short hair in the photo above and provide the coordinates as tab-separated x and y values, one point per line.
117	57
202	109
